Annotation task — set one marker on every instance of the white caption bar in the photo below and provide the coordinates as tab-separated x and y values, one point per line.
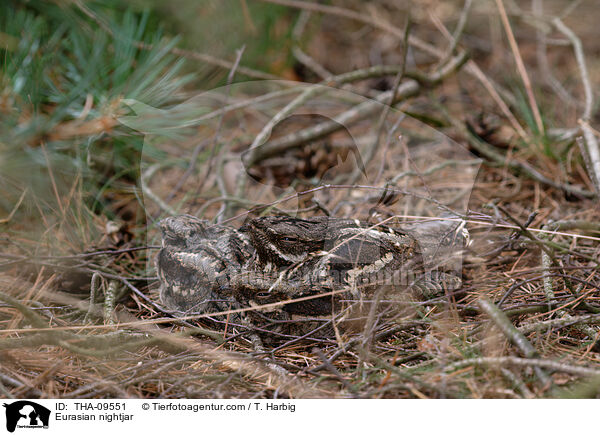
165	417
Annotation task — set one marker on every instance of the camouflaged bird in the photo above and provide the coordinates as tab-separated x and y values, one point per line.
309	265
196	263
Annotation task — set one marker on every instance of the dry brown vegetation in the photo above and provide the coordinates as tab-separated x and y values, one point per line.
501	81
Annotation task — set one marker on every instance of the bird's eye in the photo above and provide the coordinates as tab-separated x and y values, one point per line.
262	295
290	239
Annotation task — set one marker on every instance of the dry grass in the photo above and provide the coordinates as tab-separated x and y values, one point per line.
524	323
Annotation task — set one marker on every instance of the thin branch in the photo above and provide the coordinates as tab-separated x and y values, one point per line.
515	336
517	383
579	56
360	17
370	151
542	57
591	151
327	364
473	69
458	31
492	154
217	135
14	210
203	57
147	175
521	67
311	63
588	319
359	112
300	55
298	138
523	362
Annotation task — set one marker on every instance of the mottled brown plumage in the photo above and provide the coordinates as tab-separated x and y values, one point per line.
205	267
